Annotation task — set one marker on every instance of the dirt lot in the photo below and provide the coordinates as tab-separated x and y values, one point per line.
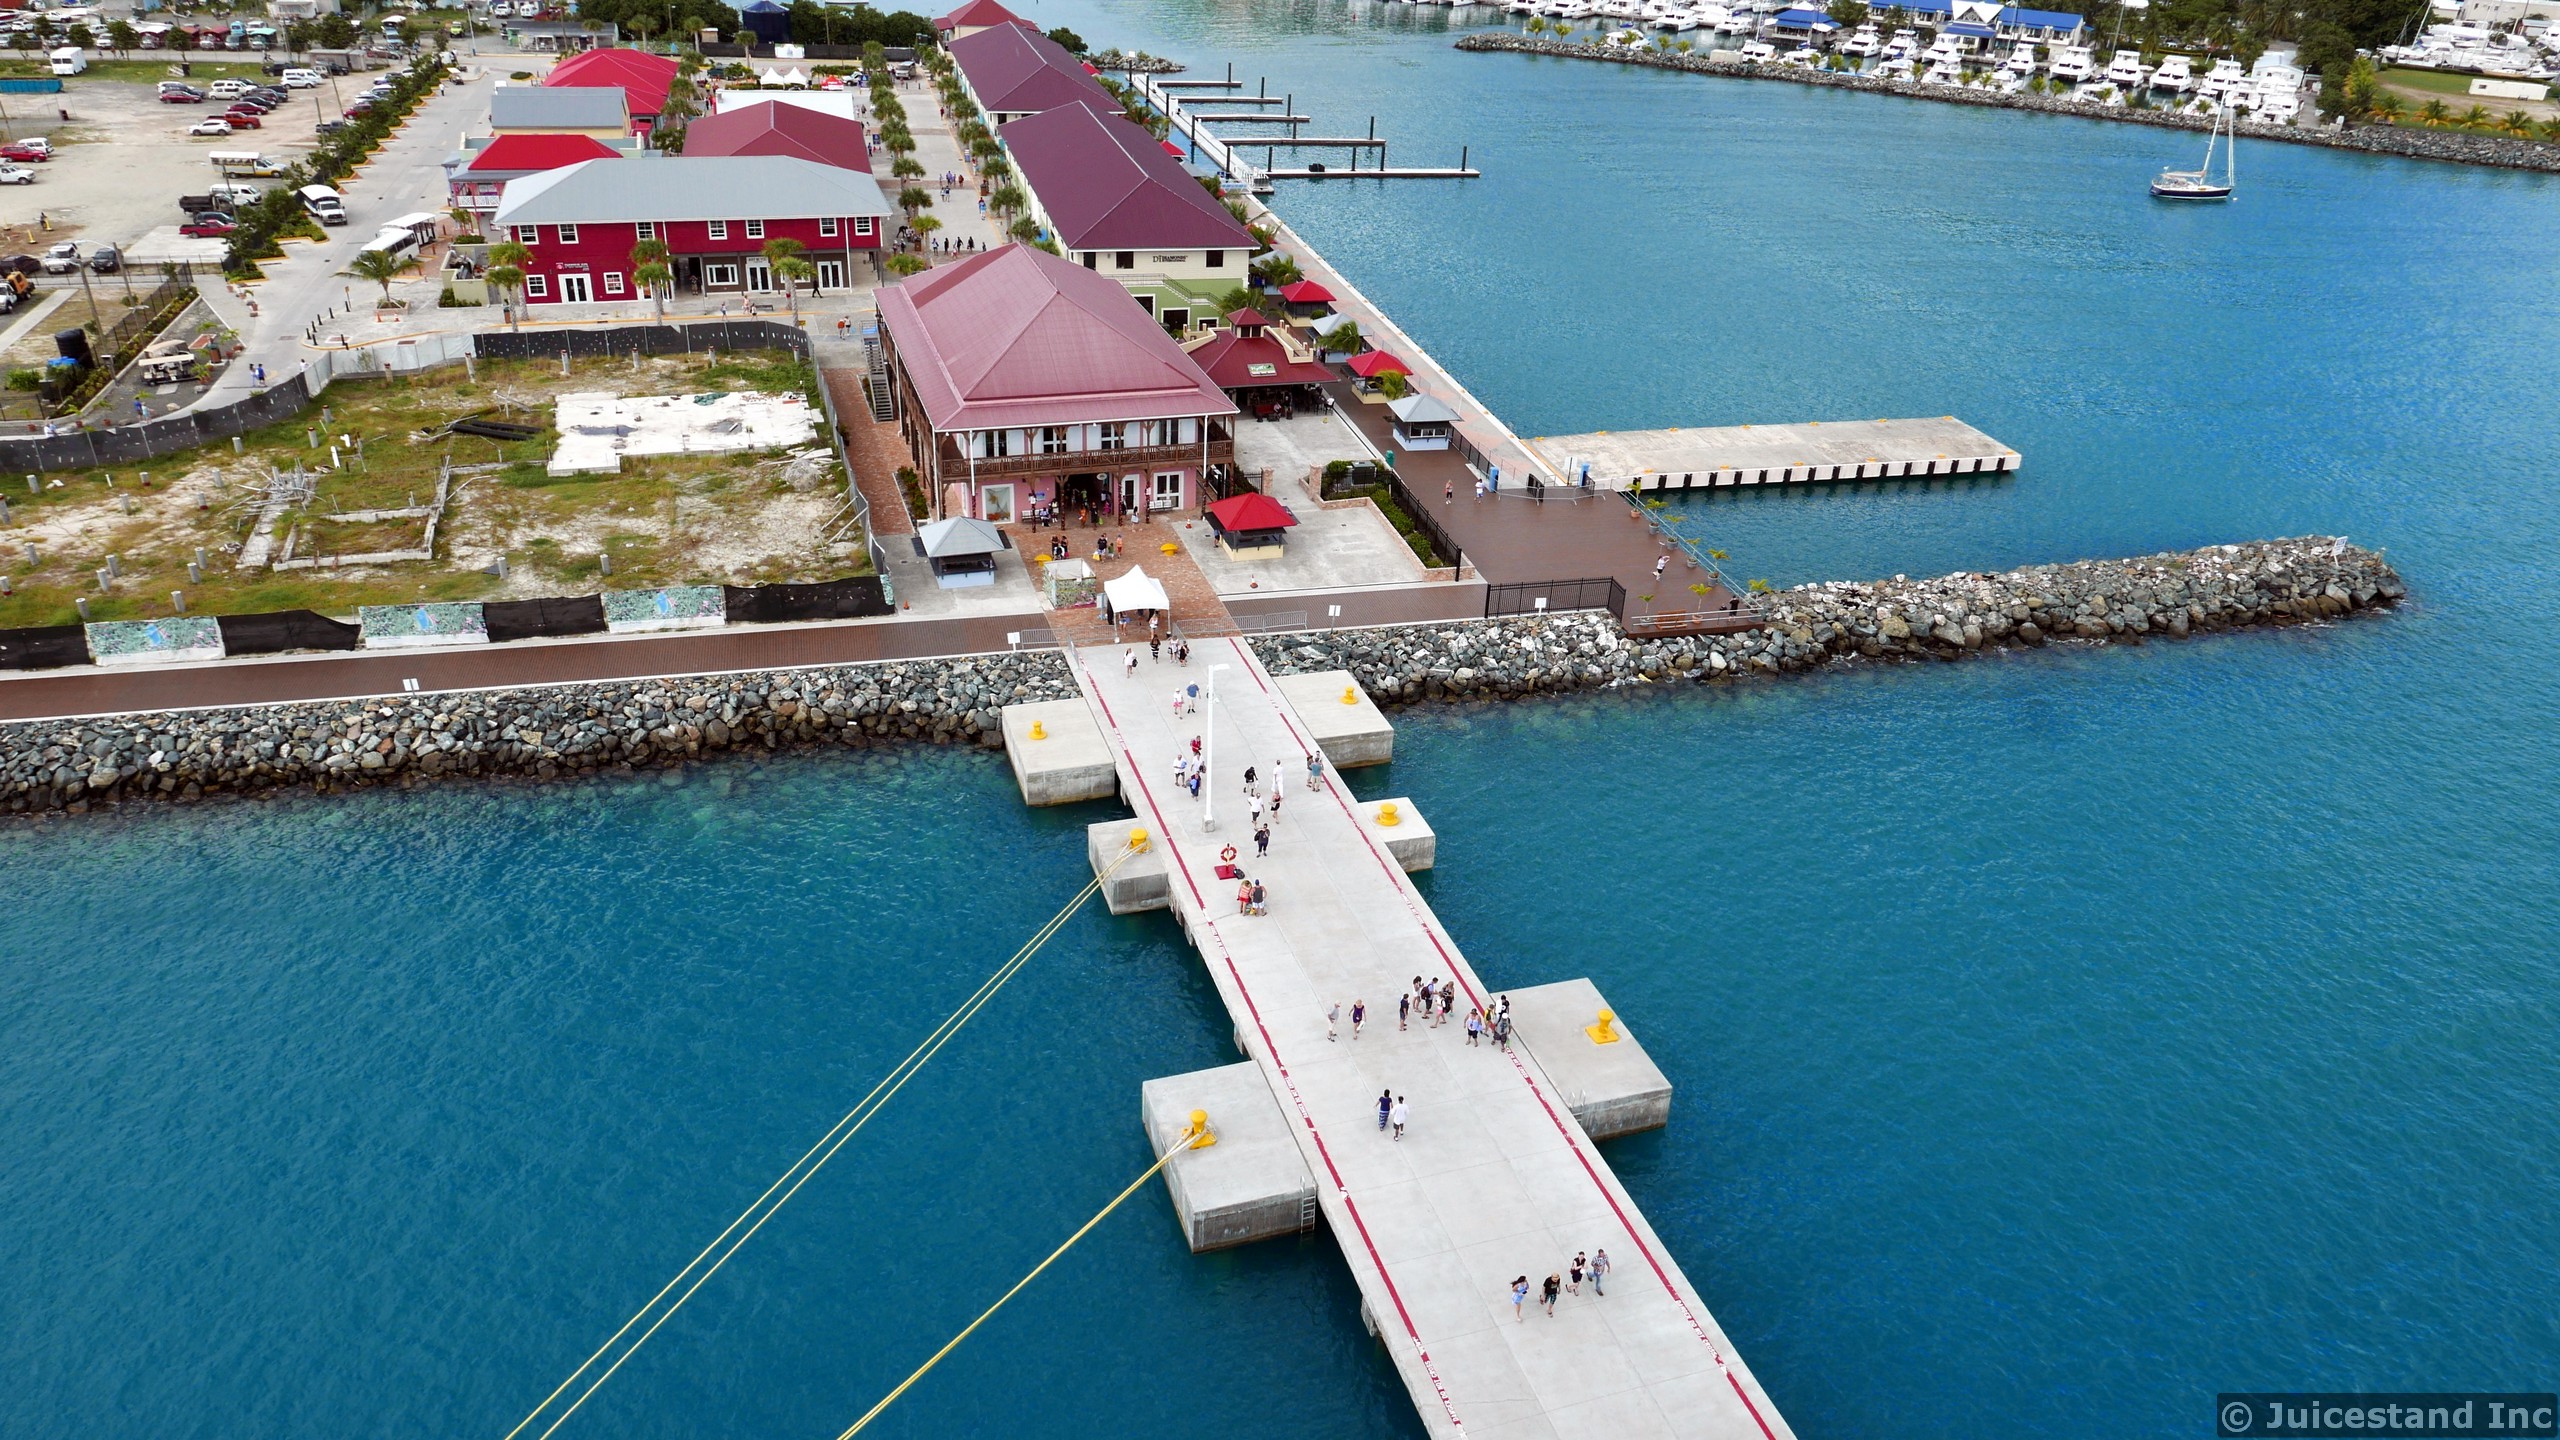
123	159
754	517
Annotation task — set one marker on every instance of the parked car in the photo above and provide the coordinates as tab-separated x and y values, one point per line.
181	97
106	259
210	125
228	89
62	259
16	175
25	153
256	104
211	222
240	119
329	127
42	146
360	107
20	265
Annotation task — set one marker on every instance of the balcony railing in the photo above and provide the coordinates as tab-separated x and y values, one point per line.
956	464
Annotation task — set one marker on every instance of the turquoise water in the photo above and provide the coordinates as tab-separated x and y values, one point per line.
2059	1039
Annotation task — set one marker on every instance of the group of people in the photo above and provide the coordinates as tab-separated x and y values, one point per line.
1593	1266
1431	1003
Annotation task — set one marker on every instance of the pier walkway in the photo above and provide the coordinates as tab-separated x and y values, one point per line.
1493	1178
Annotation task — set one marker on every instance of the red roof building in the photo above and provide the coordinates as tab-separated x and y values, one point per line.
642	78
481	180
1013	71
975	16
772	128
1247	358
1022	380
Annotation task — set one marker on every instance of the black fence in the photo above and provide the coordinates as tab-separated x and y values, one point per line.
276	630
43	647
1521	597
856	599
555	615
686	339
1423	520
132	444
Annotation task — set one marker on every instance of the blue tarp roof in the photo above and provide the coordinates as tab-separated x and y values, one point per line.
2009	15
1800	18
1968	28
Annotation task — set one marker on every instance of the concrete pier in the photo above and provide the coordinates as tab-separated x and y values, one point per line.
1057	753
1496	1174
1721	456
1253	1184
1134	884
1340	717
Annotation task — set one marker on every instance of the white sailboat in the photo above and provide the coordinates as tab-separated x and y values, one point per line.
2200	184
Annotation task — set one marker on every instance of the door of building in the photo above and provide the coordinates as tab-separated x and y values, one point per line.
830	274
575	290
1132	495
759	277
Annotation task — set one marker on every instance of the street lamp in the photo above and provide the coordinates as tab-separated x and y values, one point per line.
1209	751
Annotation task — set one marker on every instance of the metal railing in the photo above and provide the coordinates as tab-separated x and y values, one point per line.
1524	597
1697	555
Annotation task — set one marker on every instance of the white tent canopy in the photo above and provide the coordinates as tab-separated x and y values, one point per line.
1135	591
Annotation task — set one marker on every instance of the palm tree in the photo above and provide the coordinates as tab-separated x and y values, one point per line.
2519	123
792	270
1009	200
1024	229
2475	118
913	200
650	272
2387	107
907	168
382	267
924	226
1537	24
2551	128
2434	112
1394	386
903	264
507	260
995	169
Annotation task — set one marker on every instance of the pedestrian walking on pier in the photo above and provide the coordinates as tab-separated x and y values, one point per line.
1248	779
1573	1284
1359	1012
1519	1297
1260	907
1502	1031
1386	1107
1244	895
1547	1294
1448	1000
1253	808
1599	1271
1332	1018
1404	1009
1398	1116
1475	1026
1315	772
1155	649
1129	661
1660	564
1261	842
1448	492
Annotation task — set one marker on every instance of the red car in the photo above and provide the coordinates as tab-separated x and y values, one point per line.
180	97
23	153
208	223
361	107
243	119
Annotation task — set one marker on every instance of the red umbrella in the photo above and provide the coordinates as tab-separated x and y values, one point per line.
1375	363
1306	292
1252	510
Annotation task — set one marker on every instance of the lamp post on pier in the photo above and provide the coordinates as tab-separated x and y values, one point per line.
1209	751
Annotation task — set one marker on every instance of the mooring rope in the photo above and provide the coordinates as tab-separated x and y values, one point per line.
1191	1138
828	1144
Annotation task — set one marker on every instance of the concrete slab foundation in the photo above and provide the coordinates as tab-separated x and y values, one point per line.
1068	762
1253	1184
1613	1089
1410	840
1139	883
1350	735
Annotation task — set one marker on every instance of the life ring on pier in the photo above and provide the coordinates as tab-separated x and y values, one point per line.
1227	855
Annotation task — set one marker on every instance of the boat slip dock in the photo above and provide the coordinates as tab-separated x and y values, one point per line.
1822	450
1498	1173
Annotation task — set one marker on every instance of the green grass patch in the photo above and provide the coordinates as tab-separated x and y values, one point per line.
18	67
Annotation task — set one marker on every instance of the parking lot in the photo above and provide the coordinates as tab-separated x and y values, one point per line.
123	158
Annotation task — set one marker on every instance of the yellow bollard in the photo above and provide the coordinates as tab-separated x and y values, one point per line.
1601	1034
1350	694
1138	839
1199	1130
1038	731
1387	814
1171	547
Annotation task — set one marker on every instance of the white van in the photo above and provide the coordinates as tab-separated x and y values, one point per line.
301	79
227	89
324	204
69	61
232	197
248	164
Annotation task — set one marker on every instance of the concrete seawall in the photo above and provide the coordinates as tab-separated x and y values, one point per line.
2220	587
542	733
2451	146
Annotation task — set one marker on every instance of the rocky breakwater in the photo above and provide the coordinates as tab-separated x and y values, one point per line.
540	733
2220	587
2452	146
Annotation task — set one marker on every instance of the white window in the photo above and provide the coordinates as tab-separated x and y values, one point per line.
1168	494
994	444
568	234
1053	439
648	229
719	229
755	229
827	227
719	274
861	224
529	234
1111	436
536	286
613	282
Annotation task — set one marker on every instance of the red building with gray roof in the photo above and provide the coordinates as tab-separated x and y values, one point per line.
713	213
642	78
1022	380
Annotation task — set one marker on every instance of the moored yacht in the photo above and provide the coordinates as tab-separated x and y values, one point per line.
1759	52
1862	43
2125	72
2175	75
2071	63
1903	45
2021	62
2225	81
1942	71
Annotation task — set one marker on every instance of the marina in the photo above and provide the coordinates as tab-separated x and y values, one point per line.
1718	457
1221	151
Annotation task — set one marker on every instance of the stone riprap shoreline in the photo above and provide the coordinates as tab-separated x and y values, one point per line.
2220	587
49	765
2451	146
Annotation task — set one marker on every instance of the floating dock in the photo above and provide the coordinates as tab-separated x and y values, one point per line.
1818	451
1498	1174
1175	100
